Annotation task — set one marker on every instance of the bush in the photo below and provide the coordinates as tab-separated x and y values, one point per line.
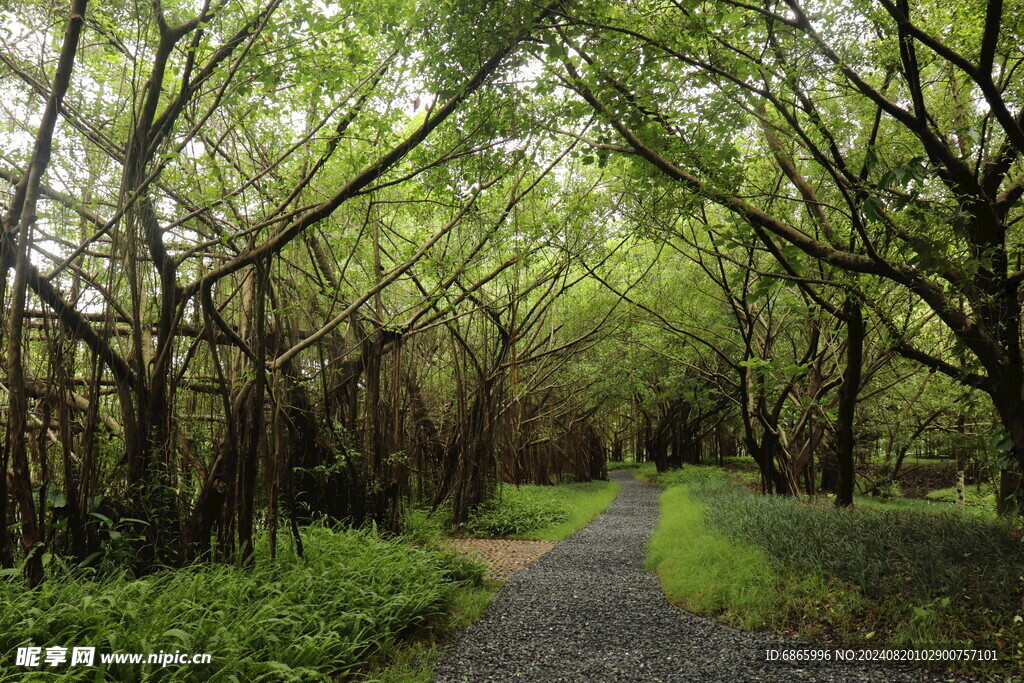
621	465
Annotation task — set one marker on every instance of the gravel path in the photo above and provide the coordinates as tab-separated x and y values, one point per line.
587	611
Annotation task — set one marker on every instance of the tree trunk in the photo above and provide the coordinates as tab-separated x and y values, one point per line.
848	401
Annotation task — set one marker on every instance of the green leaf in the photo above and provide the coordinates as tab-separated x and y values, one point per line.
872	207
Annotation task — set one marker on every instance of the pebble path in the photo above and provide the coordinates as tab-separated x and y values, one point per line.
588	611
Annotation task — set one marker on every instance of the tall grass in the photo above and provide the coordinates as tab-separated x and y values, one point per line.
316	619
905	578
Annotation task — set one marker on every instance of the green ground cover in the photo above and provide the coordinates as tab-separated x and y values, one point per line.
863	576
541	512
352	599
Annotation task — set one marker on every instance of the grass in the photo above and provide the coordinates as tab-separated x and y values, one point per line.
895	577
709	573
647	473
517	510
986	498
541	512
414	662
930	506
621	465
585	501
353	599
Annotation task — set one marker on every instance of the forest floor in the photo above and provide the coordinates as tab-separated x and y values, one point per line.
588	611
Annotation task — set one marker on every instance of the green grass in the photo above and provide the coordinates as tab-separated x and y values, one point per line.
930	506
621	465
647	473
541	512
352	599
585	501
517	510
892	576
986	498
709	573
414	662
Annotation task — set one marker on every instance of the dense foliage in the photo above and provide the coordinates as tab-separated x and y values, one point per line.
292	620
279	264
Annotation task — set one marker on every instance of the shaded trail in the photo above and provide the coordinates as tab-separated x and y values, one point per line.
587	611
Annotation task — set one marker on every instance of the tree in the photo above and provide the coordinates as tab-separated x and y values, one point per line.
161	283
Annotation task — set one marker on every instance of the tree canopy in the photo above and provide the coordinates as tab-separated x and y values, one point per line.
266	263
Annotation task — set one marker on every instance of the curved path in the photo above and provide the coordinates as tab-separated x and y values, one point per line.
587	611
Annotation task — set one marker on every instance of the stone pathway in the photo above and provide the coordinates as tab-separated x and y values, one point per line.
588	611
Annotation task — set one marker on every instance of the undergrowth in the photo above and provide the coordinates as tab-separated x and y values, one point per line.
984	499
863	576
326	617
647	473
414	662
584	501
517	510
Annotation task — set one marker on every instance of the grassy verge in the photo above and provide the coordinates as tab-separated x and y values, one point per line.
647	473
864	577
709	573
330	616
541	512
584	501
414	662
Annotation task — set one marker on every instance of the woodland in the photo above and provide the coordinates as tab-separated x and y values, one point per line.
276	267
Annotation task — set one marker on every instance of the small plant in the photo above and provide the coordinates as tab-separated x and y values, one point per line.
888	490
